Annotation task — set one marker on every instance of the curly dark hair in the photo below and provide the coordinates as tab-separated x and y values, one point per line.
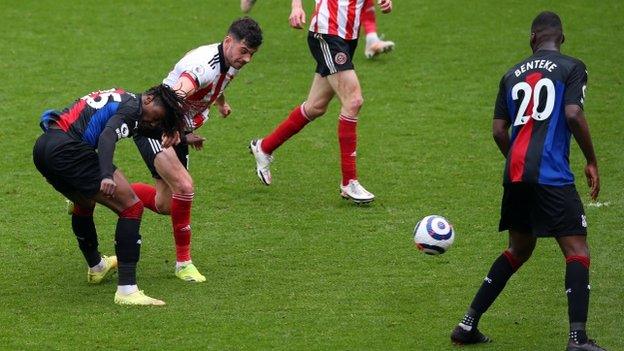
175	108
246	29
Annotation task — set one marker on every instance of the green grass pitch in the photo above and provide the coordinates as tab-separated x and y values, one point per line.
292	266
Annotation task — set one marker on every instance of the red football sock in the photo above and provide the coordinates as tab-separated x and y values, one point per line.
347	137
181	220
367	17
147	194
289	127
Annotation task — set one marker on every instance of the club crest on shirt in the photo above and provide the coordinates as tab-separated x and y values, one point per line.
199	70
340	58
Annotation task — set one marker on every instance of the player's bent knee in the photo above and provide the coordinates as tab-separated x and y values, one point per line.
354	105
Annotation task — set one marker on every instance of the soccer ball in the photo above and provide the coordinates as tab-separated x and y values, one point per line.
434	235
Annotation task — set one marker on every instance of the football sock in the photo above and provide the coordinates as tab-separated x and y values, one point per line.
84	229
127	289
500	272
347	137
371	38
181	220
147	194
295	121
128	243
182	264
98	267
368	18
577	290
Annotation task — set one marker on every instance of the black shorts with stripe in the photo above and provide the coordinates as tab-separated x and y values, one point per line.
331	52
149	148
542	210
70	165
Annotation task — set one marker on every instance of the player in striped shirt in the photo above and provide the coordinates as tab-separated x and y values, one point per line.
374	44
332	39
541	100
201	76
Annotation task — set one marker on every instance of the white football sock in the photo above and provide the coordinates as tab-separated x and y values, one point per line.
182	264
371	38
127	289
98	267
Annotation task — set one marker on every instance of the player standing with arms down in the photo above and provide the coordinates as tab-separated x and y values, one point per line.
66	156
332	40
541	99
201	76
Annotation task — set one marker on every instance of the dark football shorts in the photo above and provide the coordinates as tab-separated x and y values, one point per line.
68	164
542	210
149	148
331	52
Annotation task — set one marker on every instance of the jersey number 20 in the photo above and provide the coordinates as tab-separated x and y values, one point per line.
543	86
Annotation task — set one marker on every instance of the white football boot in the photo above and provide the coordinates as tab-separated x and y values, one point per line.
355	192
377	48
263	161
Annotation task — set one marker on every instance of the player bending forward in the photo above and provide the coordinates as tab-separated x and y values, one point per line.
201	76
332	39
541	99
66	156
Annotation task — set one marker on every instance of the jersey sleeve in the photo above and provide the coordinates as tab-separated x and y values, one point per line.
203	74
501	111
119	126
575	85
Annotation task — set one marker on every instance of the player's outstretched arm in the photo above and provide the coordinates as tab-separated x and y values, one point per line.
297	16
580	129
500	128
385	6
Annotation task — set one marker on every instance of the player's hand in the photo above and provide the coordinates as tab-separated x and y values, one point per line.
168	140
385	5
224	109
593	180
195	141
297	18
107	187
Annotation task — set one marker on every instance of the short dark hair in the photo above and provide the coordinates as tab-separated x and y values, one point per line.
246	29
175	108
547	26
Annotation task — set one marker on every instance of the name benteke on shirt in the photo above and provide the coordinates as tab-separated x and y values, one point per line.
529	65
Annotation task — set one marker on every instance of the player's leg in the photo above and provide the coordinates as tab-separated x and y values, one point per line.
72	168
315	106
173	194
100	266
521	245
180	185
516	206
571	235
374	45
347	87
127	241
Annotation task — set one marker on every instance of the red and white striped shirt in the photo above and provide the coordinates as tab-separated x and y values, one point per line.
337	17
206	68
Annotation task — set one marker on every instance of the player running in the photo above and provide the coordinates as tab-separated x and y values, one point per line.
332	39
541	99
201	76
66	156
